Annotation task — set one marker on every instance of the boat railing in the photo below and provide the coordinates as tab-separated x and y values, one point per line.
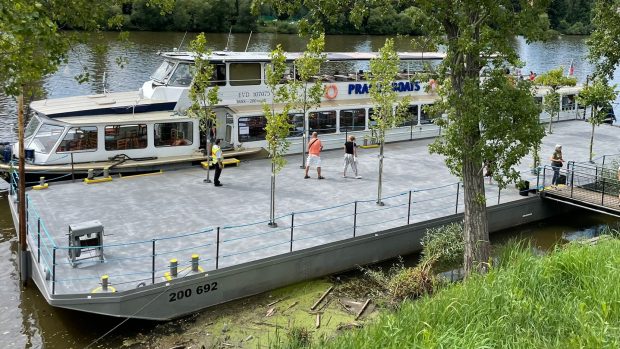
139	263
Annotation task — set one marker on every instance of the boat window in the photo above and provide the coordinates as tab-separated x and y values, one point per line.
79	139
372	123
296	120
32	126
122	137
425	116
322	122
163	71
352	120
245	74
219	74
252	128
173	134
182	75
45	138
411	116
568	102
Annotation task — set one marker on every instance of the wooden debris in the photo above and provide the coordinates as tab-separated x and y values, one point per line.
348	326
270	312
274	302
322	297
318	320
363	308
261	323
292	305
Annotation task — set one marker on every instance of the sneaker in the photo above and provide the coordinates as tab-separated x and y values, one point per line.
218	184
358	177
344	176
321	177
306	177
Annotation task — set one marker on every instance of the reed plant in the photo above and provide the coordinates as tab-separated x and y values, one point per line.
567	299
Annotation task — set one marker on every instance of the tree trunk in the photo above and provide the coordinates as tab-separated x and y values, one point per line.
379	202
475	229
272	203
21	194
592	133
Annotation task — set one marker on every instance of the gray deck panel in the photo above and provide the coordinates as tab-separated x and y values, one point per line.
158	206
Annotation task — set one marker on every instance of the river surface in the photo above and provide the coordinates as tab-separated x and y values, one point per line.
26	321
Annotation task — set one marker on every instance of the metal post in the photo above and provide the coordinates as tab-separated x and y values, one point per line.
409	208
572	179
153	263
292	227
217	250
38	240
603	165
355	219
54	271
603	192
72	170
458	189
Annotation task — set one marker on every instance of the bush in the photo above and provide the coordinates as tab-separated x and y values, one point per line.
443	247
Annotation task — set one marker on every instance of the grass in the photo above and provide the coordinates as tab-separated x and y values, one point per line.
568	299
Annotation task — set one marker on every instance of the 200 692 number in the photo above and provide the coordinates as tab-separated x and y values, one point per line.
188	292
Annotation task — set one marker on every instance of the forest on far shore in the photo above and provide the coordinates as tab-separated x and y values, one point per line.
213	16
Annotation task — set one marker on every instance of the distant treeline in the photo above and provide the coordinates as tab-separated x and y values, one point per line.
565	16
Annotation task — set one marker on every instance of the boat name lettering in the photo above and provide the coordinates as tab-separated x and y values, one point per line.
262	94
188	292
401	86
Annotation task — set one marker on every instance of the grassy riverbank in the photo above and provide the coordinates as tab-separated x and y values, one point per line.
568	299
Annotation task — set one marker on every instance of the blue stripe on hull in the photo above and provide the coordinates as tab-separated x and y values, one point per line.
140	108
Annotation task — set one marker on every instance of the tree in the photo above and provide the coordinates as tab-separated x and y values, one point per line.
31	46
554	79
604	44
597	96
278	126
383	70
496	118
203	92
309	95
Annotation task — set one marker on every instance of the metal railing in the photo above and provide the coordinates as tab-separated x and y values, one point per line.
137	263
587	182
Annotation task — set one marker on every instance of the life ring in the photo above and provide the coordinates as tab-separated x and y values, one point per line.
331	91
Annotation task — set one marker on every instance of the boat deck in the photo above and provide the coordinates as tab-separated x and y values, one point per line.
144	216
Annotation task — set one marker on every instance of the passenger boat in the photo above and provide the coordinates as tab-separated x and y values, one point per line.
148	130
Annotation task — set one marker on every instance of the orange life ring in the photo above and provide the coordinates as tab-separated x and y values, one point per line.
331	91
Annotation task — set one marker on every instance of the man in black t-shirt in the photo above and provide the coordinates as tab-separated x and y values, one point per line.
350	157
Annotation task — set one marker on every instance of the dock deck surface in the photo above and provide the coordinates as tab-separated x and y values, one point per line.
143	208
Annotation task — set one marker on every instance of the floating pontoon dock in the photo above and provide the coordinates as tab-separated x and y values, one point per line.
323	226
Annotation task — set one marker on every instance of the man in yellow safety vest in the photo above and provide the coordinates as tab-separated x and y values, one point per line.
216	154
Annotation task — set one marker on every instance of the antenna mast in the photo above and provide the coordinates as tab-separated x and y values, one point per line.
181	44
228	39
248	44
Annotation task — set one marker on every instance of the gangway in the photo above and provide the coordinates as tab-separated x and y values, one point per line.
588	185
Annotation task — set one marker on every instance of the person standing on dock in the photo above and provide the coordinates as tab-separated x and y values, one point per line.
556	164
314	155
350	157
216	153
619	190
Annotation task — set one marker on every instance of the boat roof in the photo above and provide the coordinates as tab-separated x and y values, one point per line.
123	118
232	56
117	102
